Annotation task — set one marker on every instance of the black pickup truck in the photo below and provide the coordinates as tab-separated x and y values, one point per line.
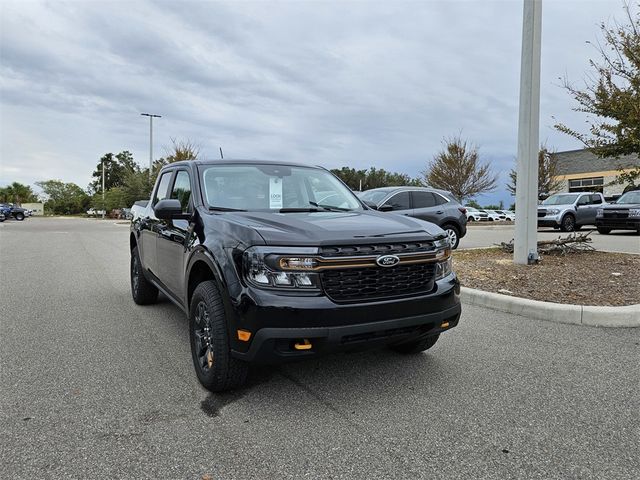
278	261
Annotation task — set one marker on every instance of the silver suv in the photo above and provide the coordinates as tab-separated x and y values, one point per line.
570	211
430	204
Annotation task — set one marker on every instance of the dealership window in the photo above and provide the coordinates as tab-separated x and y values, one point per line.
591	184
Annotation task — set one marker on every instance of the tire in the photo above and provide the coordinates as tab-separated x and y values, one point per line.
142	290
19	216
568	223
604	231
216	369
417	346
454	234
471	219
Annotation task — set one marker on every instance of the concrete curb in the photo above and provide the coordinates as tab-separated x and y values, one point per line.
628	316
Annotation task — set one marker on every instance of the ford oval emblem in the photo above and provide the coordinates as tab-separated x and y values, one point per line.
387	260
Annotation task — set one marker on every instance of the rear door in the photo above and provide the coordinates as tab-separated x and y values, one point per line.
425	207
150	226
173	236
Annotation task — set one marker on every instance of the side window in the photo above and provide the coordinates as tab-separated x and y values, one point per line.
440	200
163	187
400	201
182	189
596	199
583	200
423	199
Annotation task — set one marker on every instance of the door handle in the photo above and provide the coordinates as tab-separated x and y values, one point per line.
440	212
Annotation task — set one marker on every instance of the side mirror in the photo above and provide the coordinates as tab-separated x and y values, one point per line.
369	204
170	208
385	208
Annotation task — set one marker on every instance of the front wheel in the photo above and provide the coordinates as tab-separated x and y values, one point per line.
604	231
568	223
454	235
416	346
19	216
216	369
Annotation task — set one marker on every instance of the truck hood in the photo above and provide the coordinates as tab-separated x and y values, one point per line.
334	228
621	206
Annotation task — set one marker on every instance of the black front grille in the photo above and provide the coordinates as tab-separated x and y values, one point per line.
619	214
371	283
377	249
542	213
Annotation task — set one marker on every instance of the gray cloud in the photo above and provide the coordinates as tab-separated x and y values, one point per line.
331	83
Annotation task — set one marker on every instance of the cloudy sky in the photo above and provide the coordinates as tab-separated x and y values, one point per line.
331	83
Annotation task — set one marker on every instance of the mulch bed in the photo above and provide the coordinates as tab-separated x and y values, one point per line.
589	278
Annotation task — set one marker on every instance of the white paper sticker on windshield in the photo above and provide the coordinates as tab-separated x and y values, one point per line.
275	192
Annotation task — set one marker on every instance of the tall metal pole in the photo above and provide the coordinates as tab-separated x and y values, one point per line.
525	247
103	205
151	116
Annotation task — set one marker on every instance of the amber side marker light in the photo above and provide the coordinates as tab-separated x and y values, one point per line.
304	345
444	325
244	335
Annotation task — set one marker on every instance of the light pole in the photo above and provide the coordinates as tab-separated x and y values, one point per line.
151	117
525	249
103	205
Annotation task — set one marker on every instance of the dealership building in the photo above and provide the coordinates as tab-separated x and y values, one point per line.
581	171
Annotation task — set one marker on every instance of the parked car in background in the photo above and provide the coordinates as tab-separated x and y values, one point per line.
570	211
624	214
495	216
92	212
10	210
475	215
509	215
2	217
430	204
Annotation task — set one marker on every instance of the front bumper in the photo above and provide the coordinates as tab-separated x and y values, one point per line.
277	324
550	221
629	223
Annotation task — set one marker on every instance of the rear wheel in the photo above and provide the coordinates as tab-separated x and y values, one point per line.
416	346
568	223
142	290
454	235
20	216
216	369
604	231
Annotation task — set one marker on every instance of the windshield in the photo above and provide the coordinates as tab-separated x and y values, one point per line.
374	196
630	197
260	187
560	199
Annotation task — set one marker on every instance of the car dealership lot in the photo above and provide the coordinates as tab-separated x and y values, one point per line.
94	386
487	235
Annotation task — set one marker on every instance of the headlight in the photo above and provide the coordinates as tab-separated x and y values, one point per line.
553	211
442	243
268	268
600	212
444	268
634	212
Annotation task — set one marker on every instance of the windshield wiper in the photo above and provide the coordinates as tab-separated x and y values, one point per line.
298	209
225	209
330	208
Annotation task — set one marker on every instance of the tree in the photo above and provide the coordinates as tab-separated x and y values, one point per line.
17	193
116	168
63	198
611	95
473	204
548	181
373	178
458	169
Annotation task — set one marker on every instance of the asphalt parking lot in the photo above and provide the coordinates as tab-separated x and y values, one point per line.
94	386
489	234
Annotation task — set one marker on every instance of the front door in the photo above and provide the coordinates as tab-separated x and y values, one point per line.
173	237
